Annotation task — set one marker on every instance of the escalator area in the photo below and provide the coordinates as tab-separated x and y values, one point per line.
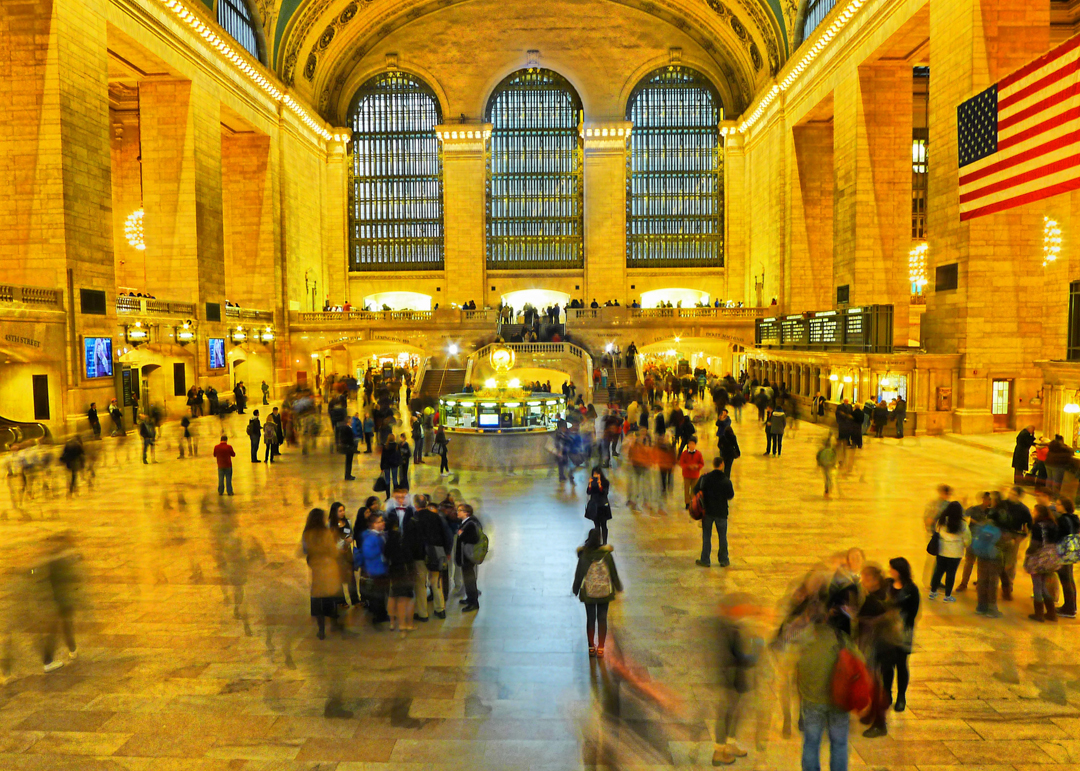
14	433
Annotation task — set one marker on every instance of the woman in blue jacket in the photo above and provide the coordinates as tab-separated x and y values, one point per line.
372	563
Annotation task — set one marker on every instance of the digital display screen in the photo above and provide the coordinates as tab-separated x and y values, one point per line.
99	361
491	420
217	352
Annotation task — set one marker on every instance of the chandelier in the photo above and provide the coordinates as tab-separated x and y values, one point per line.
133	230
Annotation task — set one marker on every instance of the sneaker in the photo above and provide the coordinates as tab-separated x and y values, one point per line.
736	750
54	665
440	614
418	617
724	564
932	596
1066	613
993	614
722	755
949	598
701	564
470	608
874	732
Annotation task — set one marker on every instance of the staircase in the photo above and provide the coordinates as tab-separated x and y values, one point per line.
438	382
625	377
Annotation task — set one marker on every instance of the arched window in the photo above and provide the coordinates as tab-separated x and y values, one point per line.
395	193
234	16
534	173
674	181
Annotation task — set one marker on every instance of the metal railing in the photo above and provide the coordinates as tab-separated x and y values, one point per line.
697	313
152	307
34	296
248	313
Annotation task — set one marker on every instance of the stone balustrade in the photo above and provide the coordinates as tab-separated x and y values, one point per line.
147	306
32	297
250	314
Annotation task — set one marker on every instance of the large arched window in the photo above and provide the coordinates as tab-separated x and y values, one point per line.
234	16
674	181
534	173
395	194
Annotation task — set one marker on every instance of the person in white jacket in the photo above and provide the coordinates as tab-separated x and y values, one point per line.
953	538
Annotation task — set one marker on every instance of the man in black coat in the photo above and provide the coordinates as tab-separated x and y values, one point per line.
468	535
254	432
428	569
345	440
716	490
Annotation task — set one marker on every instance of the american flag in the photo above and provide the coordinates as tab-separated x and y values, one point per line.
1019	140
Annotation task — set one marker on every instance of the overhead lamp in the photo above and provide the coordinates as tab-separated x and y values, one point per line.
452	349
1071	408
267	335
515	383
491	383
184	334
133	230
847	378
833	378
238	335
137	334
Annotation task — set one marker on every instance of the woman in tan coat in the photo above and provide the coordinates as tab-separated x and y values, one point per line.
319	545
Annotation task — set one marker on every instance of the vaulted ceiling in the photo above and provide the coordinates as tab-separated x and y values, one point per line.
314	45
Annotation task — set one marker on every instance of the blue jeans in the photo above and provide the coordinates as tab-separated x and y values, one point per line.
391	477
721	537
816	718
224	479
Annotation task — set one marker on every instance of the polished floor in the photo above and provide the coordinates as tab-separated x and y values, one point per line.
180	671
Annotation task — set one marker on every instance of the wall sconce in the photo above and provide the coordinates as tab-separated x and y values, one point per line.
184	334
1071	409
833	378
238	335
137	334
267	335
847	378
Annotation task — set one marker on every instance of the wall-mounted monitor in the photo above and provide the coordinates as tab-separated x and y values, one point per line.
489	420
217	352
98	356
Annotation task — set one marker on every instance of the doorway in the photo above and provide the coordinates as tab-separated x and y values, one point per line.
1001	404
41	397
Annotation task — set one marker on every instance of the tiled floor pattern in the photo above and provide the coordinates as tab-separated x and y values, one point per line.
179	673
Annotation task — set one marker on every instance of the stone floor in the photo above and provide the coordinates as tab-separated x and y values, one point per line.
174	674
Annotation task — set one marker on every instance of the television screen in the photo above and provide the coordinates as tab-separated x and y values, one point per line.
98	356
489	421
217	353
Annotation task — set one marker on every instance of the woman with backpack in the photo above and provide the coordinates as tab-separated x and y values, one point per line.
595	583
1042	561
953	536
598	509
903	596
1069	532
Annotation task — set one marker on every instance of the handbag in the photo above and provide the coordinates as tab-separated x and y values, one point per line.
934	546
380	484
697	506
1043	561
1069	549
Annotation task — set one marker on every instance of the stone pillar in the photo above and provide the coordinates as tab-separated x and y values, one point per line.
605	209
335	238
252	275
464	210
973	44
736	279
810	281
56	205
872	157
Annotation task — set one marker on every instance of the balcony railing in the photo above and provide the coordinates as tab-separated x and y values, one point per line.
32	296
147	306
698	313
335	316
248	313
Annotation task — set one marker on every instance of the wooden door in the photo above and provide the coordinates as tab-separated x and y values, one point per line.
1001	404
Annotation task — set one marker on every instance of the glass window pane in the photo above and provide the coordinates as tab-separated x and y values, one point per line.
234	16
534	205
674	179
395	191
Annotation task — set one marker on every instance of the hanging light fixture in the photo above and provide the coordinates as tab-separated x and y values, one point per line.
133	230
1051	240
917	266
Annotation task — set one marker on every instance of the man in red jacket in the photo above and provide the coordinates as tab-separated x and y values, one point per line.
691	462
223	454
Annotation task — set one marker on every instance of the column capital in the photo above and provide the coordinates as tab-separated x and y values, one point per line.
606	135
463	137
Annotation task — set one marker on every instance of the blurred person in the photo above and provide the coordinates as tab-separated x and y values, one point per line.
373	566
598	508
817	407
270	440
318	545
640	453
953	538
63	584
390	464
1041	561
1015	526
186	439
223	454
433	536
1068	530
275	418
903	597
976	516
400	566
729	449
117	418
369	431
665	461
859	422
345	442
405	456
254	432
343	535
738	650
989	560
265	392
716	491
878	638
691	462
818	653
451	573
737	402
92	418
147	432
827	461
596	582
468	535
73	457
417	439
723	422
899	414
777	424
879	417
1059	458
767	424
563	445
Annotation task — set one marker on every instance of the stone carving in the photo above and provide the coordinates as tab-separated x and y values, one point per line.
299	34
740	30
755	57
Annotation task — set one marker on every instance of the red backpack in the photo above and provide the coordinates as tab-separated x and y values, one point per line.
851	682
